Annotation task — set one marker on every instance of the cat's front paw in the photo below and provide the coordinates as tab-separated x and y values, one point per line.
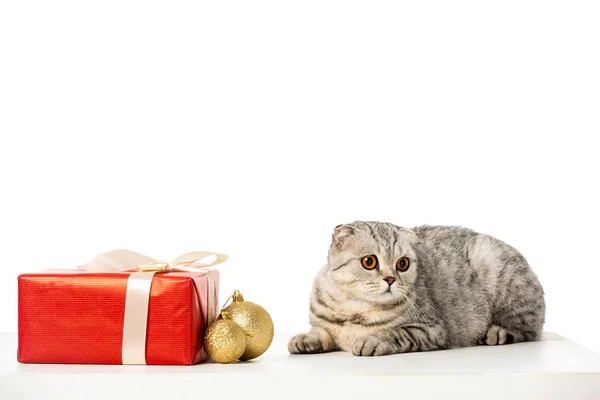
305	344
496	335
371	345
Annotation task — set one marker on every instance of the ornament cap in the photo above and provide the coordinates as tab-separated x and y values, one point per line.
237	296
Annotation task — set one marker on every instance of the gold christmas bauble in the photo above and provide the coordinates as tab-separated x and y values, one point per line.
224	341
256	323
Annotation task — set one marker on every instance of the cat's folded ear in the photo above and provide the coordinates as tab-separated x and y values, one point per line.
341	234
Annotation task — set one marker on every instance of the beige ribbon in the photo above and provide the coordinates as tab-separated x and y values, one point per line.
138	291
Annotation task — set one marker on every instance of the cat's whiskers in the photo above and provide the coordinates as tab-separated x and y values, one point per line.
431	305
411	312
429	288
415	308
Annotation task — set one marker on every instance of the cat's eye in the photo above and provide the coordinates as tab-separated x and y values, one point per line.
369	262
402	264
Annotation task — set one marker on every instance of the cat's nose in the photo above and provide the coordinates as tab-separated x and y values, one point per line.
390	280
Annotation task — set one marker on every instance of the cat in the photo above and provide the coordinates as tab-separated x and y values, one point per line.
388	290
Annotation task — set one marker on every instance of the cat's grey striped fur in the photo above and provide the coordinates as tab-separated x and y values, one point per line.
461	288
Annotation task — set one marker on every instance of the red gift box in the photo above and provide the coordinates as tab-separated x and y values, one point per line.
80	317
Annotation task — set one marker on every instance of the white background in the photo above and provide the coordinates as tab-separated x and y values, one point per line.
253	128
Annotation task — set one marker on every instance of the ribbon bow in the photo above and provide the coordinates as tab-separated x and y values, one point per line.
139	283
126	260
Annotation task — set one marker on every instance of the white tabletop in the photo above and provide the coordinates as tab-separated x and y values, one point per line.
554	368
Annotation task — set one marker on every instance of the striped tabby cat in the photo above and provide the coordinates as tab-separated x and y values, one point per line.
388	289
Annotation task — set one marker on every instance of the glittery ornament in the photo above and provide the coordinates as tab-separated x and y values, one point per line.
256	323
225	341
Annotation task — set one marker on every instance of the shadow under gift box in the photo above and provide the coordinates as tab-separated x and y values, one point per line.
78	317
